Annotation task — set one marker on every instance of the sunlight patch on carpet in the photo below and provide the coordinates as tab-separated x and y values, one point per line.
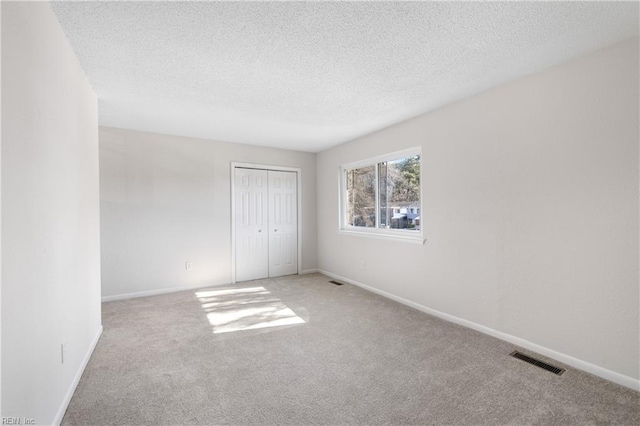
235	309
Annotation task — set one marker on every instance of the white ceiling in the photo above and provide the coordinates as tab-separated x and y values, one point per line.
310	75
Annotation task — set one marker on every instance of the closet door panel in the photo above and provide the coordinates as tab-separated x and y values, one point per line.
251	224
283	223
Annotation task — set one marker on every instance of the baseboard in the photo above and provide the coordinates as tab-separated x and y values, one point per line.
604	373
67	398
134	295
147	293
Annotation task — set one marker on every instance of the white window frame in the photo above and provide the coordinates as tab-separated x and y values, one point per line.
410	236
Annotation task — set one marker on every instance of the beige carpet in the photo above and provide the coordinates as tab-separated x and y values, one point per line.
299	350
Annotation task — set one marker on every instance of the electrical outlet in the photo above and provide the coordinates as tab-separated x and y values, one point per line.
188	266
363	264
63	347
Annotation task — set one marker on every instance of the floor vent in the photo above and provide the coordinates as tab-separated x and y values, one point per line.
335	282
537	363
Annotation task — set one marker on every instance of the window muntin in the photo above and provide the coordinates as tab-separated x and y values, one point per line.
382	195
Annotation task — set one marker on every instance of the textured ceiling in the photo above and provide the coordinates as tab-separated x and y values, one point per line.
310	75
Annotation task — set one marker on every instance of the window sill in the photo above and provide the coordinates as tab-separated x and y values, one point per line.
412	239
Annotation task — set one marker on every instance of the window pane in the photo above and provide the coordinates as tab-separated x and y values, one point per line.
400	193
361	197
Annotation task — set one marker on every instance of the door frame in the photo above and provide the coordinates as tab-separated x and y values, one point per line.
298	172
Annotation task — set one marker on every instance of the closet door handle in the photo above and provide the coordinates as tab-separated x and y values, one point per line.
259	230
275	230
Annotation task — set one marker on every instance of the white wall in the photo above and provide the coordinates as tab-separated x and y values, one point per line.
50	215
530	211
166	200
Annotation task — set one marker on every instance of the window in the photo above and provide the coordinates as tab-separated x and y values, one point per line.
381	196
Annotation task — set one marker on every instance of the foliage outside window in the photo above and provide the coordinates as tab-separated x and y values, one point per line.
383	195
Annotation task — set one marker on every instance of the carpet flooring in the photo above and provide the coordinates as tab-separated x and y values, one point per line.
300	350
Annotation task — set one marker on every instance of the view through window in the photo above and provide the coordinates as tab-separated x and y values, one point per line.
384	194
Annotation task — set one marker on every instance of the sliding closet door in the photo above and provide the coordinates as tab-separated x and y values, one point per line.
283	223
251	224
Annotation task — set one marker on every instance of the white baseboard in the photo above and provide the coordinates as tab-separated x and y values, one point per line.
74	384
604	373
136	294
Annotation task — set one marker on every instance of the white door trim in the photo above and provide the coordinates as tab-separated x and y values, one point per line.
236	164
